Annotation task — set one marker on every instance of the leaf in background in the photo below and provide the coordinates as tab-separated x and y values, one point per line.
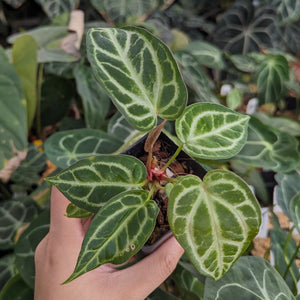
287	188
234	99
26	245
196	78
205	54
54	8
7	269
244	28
13	124
48	39
94	99
289	35
124	11
119	128
214	220
295	210
160	294
91	182
13	215
283	248
271	78
24	54
250	278
141	86
74	211
188	283
212	131
28	173
64	148
269	148
15	3
16	288
117	232
56	96
285	124
247	63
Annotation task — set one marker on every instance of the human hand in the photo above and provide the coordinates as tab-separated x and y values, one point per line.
56	256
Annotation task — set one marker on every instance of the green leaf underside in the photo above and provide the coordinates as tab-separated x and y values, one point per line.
214	220
139	73
251	278
74	211
117	232
64	148
91	182
212	131
270	148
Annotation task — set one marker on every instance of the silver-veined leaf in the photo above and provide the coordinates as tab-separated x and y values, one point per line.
271	78
119	128
250	278
94	99
54	8
205	54
13	215
249	62
26	245
118	231
124	11
91	182
212	131
244	28
214	220
64	148
139	73
270	148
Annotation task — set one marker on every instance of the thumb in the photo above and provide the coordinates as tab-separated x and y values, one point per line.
145	276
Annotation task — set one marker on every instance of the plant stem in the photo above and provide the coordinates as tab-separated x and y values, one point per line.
172	158
151	192
38	104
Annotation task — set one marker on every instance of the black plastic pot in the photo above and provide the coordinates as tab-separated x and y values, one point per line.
189	164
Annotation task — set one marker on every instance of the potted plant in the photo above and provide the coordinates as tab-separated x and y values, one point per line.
214	218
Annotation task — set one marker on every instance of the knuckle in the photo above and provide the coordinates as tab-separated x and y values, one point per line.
168	264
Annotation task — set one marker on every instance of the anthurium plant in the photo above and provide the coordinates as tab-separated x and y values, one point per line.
214	218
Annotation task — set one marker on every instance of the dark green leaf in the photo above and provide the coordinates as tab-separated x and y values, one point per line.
118	231
7	269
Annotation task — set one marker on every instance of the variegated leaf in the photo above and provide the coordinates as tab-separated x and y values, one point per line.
214	220
91	182
212	131
270	148
251	278
64	148
139	73
117	232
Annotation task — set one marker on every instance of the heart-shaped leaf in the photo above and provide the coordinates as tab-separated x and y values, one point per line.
91	182
270	148
251	278
64	148
117	232
214	220
271	78
141	85
212	131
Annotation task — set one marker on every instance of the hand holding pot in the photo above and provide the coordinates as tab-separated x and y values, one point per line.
57	254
